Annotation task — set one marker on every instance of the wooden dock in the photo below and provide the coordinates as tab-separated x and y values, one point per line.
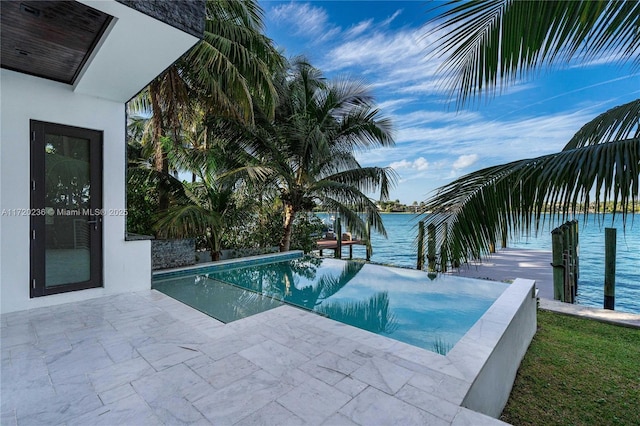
332	244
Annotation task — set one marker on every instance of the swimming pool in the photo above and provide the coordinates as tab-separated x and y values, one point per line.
402	304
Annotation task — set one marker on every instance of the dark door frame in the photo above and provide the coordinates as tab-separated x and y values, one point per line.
38	129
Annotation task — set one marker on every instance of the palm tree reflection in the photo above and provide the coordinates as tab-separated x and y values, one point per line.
372	315
299	283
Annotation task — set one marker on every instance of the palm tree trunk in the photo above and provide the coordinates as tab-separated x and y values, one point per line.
161	162
289	215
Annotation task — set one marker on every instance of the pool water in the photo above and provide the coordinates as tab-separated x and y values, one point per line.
402	304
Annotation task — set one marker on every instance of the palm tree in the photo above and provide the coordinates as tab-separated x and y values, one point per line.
493	43
206	207
224	74
308	151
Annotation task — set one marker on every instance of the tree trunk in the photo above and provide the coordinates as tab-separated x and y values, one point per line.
161	162
289	215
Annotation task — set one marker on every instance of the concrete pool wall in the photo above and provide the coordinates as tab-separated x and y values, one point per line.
479	371
491	351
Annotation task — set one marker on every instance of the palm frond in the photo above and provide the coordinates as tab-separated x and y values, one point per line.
493	43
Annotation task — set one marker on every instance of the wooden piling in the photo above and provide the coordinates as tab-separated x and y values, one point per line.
431	247
576	260
444	252
557	264
369	249
338	229
504	234
609	268
420	262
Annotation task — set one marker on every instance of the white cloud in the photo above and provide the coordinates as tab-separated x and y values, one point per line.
359	28
465	161
420	164
305	19
391	18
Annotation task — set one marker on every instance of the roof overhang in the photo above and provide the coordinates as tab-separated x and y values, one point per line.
108	49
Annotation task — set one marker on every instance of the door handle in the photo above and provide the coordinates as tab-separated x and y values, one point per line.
94	222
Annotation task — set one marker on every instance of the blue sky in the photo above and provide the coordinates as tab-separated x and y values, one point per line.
384	44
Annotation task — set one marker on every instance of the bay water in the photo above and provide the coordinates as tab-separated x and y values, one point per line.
399	249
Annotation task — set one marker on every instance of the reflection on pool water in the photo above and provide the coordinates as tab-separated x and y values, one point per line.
402	304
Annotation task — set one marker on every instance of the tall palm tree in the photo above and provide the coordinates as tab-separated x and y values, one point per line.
493	43
224	74
308	151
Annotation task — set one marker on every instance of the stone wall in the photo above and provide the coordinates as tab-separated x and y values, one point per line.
185	15
172	253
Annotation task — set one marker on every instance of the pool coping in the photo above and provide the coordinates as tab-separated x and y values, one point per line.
229	263
481	366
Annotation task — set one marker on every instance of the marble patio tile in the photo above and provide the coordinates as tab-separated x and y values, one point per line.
350	386
160	323
127	411
24	355
466	417
273	357
241	398
119	349
117	393
271	414
223	347
428	402
8	418
177	380
383	375
376	341
223	372
118	374
176	410
164	355
314	401
294	377
446	387
292	342
374	407
58	409
202	323
91	334
432	360
283	333
353	351
18	335
83	358
5	356
18	394
339	420
329	367
53	344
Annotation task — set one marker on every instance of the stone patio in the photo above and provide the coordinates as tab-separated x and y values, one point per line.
147	359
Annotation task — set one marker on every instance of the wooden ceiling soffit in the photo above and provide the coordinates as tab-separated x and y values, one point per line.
49	39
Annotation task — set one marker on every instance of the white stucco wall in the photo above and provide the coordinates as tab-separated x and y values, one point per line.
126	264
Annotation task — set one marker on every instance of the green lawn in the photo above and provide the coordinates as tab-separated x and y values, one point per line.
577	372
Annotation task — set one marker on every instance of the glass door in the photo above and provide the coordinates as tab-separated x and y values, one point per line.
66	208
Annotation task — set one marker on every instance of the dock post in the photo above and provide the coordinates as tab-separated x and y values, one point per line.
568	263
556	263
444	249
431	247
420	263
368	247
338	229
576	260
504	234
609	268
